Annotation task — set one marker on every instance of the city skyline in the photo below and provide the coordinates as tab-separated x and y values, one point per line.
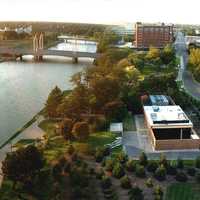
104	11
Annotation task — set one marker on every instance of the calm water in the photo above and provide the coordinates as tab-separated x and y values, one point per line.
24	86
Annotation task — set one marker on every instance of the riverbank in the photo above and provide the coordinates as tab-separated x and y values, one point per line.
18	132
31	132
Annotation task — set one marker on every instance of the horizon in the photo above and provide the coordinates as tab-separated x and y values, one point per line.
100	12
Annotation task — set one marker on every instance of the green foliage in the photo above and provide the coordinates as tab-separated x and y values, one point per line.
106	182
197	162
140	171
118	170
180	163
158	192
198	177
66	128
122	157
181	176
22	165
191	171
167	54
70	149
194	63
115	111
52	103
152	166
81	130
125	182
163	161
135	193
143	160
160	173
109	165
130	165
149	182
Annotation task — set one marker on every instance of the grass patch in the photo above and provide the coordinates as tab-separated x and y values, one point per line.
183	191
129	123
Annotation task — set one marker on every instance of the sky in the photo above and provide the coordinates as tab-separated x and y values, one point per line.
101	11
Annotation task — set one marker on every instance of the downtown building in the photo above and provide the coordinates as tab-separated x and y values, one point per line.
153	35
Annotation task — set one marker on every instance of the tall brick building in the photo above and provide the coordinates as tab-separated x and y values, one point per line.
153	35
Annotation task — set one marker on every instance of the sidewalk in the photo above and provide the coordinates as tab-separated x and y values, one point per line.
32	132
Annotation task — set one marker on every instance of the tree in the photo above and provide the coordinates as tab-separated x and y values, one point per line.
130	165
140	171
23	164
115	111
52	103
66	128
143	159
125	182
81	130
153	54
152	166
118	170
160	173
135	193
194	63
167	54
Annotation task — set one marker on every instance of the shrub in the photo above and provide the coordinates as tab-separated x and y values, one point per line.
99	174
149	182
67	167
105	182
180	163
125	182
118	170
109	165
130	165
135	193
197	162
191	171
143	159
152	166
163	161
70	149
81	130
158	191
160	173
140	171
171	170
181	176
198	177
98	155
122	157
66	128
106	151
62	161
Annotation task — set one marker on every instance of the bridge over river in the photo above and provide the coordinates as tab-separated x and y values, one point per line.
38	51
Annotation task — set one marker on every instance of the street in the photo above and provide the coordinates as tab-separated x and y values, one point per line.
190	85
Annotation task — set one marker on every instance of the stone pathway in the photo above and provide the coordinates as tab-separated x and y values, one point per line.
32	132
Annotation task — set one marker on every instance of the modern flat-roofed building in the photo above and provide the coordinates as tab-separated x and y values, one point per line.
168	126
153	35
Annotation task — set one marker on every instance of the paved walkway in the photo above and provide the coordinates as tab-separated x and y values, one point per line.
32	132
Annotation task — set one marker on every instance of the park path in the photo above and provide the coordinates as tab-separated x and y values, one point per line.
32	132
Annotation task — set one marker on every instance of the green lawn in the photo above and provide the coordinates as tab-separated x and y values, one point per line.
129	123
57	146
183	191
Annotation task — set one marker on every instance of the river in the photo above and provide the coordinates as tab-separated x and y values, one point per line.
25	85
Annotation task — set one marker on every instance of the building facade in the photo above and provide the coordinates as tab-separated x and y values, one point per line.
153	35
168	126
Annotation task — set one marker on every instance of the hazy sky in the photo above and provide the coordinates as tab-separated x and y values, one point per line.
101	11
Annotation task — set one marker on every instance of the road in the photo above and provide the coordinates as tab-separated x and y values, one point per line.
189	84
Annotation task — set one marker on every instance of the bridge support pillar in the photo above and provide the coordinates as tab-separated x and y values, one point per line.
21	58
75	60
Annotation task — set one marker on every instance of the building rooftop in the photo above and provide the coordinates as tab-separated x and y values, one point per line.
166	116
